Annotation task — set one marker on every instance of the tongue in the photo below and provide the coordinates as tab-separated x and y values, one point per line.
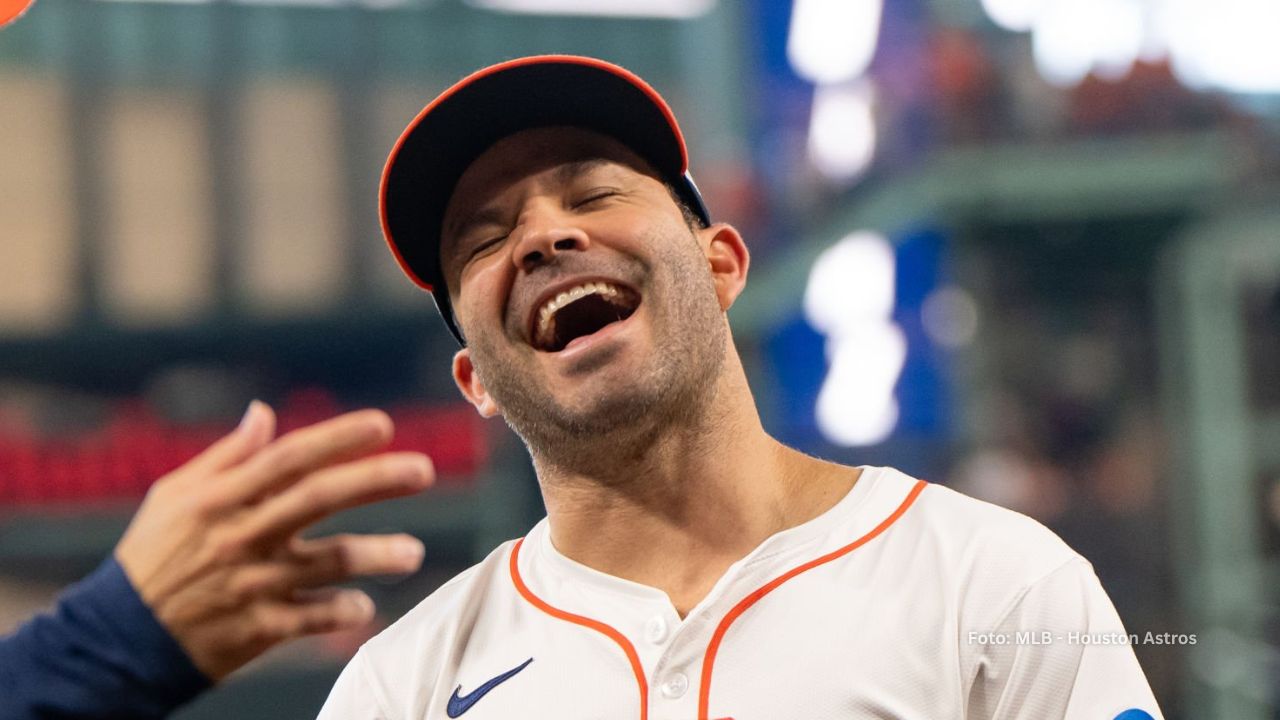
585	317
584	338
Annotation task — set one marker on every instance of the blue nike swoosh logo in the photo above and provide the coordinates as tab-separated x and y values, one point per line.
460	704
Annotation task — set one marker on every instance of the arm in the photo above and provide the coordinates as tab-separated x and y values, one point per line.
1071	660
214	562
99	653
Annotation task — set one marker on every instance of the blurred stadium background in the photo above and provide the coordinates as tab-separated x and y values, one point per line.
1026	248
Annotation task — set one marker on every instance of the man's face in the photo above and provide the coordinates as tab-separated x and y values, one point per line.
585	297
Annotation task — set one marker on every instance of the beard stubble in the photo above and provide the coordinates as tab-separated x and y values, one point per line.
672	393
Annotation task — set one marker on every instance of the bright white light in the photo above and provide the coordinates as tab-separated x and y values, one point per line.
1177	27
1015	15
608	8
842	130
1229	44
850	299
1120	40
851	284
1070	38
950	317
833	41
1225	44
856	405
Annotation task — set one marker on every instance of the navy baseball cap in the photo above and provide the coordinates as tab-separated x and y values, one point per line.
496	102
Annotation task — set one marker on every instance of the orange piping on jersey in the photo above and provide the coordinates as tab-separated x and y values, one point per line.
708	661
586	622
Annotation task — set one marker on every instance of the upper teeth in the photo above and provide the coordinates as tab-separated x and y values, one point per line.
575	293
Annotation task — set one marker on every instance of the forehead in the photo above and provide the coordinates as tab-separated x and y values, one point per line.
529	153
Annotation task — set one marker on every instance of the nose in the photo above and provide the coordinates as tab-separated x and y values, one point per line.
543	232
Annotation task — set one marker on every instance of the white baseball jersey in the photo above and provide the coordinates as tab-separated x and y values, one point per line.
904	600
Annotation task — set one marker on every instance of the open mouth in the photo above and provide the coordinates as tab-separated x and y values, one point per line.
579	311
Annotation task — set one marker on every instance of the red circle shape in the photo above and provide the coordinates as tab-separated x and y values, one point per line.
11	10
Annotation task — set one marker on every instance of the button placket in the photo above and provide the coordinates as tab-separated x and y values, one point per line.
672	678
656	630
675	686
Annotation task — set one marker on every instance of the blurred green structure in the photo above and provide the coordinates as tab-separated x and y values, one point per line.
1227	449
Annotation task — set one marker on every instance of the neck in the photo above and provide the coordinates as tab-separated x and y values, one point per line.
696	498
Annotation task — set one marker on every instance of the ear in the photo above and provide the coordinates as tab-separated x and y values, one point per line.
469	383
729	259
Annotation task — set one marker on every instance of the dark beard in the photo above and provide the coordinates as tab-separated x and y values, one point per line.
673	393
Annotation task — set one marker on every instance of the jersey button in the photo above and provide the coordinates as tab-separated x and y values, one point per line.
655	631
675	686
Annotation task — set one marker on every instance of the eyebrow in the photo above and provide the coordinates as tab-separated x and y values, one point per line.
484	216
570	171
491	215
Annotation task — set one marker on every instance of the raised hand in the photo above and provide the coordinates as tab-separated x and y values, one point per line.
215	549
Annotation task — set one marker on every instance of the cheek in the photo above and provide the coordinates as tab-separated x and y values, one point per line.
482	303
638	225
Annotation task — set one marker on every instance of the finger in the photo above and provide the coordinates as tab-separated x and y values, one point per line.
325	561
340	558
255	430
312	613
331	490
333	441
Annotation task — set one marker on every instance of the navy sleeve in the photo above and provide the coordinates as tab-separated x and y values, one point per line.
100	653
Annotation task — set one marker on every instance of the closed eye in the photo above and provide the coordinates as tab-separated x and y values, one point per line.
484	246
594	197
